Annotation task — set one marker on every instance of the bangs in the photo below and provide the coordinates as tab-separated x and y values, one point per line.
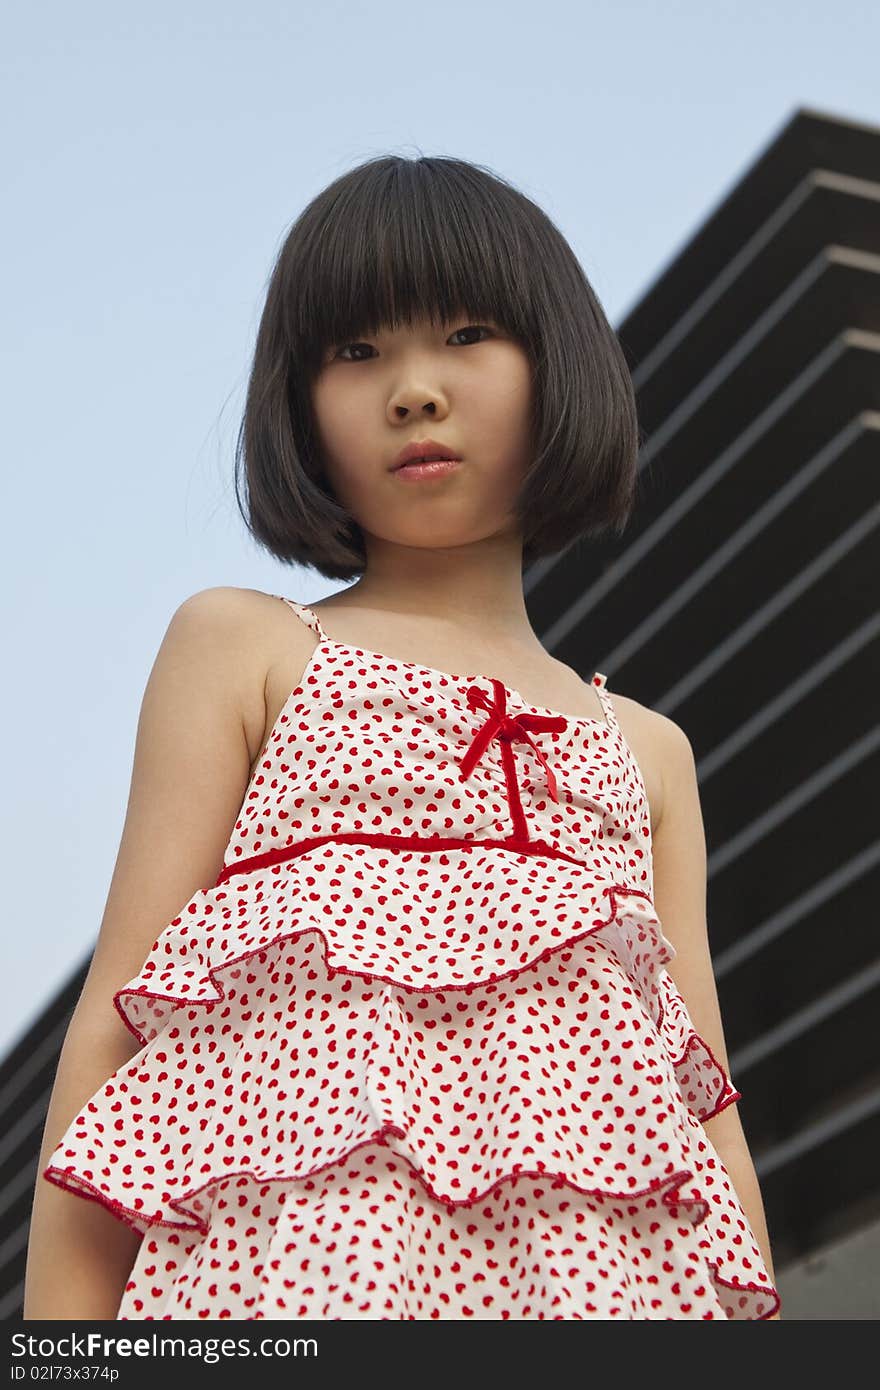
407	241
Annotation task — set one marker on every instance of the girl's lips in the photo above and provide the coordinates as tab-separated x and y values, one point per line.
436	468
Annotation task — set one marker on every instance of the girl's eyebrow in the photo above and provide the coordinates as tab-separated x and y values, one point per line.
465	316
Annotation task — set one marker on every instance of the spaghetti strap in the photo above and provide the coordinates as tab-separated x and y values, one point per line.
308	616
598	683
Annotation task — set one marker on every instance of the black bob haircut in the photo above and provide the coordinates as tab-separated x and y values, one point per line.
397	239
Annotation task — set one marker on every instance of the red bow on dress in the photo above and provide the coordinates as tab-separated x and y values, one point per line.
508	729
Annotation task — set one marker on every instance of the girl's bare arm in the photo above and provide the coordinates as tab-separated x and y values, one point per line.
679	845
190	774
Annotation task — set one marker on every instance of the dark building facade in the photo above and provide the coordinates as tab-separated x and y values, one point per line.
742	603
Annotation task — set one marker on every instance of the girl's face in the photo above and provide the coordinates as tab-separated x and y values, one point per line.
468	386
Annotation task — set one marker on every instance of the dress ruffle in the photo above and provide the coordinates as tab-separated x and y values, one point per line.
704	1084
280	1042
298	1250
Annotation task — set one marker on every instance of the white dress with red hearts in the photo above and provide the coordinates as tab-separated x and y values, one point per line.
416	1053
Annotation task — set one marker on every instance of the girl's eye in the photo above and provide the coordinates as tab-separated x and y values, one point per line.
469	328
345	347
473	328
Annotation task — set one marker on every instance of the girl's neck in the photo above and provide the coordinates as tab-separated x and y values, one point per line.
462	609
466	588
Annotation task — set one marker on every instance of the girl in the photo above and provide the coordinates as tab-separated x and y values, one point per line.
440	1038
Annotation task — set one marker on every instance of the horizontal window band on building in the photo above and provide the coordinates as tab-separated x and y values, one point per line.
425	844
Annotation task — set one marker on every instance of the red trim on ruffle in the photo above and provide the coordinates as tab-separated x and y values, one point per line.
727	1098
768	1290
81	1187
667	1186
697	1037
428	844
722	1105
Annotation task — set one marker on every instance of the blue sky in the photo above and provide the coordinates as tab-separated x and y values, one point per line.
154	159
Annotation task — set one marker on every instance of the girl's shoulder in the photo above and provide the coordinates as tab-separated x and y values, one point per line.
277	648
265	644
652	738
